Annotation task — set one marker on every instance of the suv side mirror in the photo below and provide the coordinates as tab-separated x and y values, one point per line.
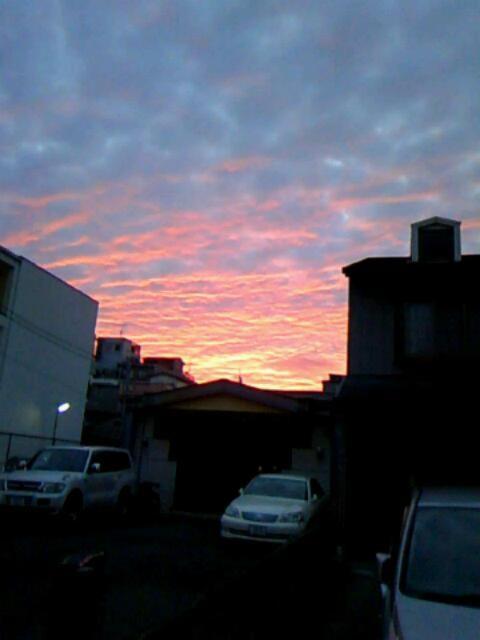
95	467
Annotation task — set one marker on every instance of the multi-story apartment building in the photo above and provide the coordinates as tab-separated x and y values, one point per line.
47	332
120	373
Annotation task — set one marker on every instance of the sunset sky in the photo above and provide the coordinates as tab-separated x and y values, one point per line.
204	168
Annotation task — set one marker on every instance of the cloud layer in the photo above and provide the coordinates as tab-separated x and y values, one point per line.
205	169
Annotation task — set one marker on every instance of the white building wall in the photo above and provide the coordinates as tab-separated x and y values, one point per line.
45	359
151	458
114	351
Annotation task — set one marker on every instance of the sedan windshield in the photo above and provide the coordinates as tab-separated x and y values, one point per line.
444	557
278	488
59	460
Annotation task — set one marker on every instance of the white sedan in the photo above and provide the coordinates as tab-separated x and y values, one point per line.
273	508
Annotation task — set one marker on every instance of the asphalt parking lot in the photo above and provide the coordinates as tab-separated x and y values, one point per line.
173	578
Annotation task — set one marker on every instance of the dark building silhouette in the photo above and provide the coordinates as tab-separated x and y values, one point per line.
407	410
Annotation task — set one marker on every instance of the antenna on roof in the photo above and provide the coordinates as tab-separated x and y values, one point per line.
122	329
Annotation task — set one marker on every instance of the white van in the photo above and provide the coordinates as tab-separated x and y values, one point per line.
436	587
68	480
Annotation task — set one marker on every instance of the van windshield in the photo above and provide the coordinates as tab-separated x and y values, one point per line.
443	560
59	460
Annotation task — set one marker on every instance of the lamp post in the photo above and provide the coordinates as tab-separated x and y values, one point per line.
61	408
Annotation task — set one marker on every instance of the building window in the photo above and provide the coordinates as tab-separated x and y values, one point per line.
436	243
419	330
6	274
435	331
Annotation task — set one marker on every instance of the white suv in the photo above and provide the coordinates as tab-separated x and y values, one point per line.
68	480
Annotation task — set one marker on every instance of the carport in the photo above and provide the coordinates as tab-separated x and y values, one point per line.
202	443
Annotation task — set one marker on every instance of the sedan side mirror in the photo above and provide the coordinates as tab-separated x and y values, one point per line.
22	464
95	467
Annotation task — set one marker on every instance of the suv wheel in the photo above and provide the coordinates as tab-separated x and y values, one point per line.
73	507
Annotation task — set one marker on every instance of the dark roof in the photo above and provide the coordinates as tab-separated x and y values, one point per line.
397	266
272	399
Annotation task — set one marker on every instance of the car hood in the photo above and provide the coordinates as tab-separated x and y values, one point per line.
40	476
265	504
425	620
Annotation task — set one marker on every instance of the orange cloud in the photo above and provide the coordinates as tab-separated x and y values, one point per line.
224	324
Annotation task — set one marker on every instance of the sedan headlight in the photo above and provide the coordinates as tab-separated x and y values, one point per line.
53	487
233	512
294	516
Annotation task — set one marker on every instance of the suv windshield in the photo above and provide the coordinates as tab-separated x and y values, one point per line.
59	460
277	488
443	562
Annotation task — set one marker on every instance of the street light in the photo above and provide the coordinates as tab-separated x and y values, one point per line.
61	408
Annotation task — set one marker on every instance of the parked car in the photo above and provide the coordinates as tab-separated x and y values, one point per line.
273	508
68	480
435	593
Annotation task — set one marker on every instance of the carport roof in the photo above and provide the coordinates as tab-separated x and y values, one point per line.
273	399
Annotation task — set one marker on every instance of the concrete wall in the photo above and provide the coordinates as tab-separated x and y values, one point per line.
153	465
45	358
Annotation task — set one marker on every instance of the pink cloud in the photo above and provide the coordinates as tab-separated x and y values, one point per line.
224	323
237	165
